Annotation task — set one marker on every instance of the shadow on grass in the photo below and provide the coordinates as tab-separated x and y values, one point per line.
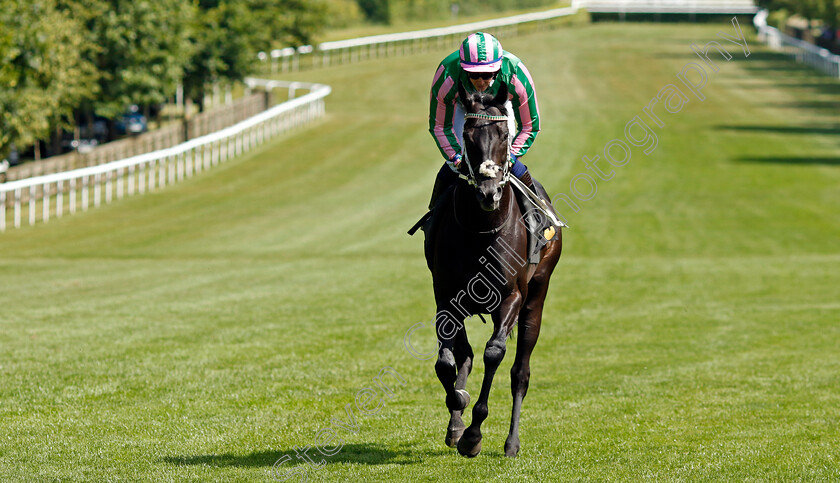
794	160
827	129
718	58
830	87
757	55
779	66
366	454
832	106
764	61
689	55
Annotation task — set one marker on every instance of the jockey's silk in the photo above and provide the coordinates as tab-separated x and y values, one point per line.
445	92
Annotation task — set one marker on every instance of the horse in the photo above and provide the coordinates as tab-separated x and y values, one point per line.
477	256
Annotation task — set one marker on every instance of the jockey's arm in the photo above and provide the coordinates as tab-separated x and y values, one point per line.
441	113
525	111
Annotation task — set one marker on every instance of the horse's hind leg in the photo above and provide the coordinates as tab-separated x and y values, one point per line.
530	320
463	361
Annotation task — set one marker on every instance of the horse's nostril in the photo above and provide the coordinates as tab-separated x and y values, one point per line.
498	195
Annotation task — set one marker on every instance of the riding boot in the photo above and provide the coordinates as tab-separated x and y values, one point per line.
519	170
528	181
535	223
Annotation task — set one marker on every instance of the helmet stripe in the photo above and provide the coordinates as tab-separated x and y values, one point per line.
473	48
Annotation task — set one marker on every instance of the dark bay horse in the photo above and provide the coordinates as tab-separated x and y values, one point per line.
477	256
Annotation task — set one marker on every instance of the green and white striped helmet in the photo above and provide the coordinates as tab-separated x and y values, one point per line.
481	52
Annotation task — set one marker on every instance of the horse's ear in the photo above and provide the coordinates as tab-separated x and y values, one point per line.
465	99
502	97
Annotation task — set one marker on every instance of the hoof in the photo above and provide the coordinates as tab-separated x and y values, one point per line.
459	402
453	435
469	447
511	451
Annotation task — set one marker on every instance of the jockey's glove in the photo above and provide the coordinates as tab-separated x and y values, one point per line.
454	163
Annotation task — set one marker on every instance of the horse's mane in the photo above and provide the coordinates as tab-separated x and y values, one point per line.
486	101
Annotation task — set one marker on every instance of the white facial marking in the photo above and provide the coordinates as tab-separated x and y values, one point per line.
489	169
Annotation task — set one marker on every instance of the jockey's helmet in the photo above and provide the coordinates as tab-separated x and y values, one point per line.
481	52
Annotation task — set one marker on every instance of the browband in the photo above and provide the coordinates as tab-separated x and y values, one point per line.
487	117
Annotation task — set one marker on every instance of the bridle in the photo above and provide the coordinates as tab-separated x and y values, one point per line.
471	179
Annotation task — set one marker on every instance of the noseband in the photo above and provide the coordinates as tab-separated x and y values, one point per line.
470	179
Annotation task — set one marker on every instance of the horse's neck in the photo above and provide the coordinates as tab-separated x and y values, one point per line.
473	218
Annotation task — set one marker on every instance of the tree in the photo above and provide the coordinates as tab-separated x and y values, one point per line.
289	22
391	11
825	10
377	11
43	74
228	34
145	47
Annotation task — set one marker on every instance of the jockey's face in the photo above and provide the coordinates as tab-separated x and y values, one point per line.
481	80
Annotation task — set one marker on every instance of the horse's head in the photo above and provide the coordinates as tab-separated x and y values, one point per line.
487	144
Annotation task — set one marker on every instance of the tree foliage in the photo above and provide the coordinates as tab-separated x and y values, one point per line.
377	11
58	57
145	49
43	73
826	10
390	11
343	13
228	34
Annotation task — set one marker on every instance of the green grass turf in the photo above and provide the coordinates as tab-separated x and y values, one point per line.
201	332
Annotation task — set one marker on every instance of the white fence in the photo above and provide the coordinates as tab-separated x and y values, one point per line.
148	172
345	51
817	57
351	50
669	6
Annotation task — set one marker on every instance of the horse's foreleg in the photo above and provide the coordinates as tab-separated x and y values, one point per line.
494	352
463	360
447	374
520	373
446	368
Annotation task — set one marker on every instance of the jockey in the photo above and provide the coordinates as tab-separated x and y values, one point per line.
476	66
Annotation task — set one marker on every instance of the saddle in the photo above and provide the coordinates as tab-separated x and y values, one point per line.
539	228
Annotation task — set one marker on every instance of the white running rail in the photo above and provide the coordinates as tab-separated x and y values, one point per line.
669	6
148	172
352	50
807	53
341	51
